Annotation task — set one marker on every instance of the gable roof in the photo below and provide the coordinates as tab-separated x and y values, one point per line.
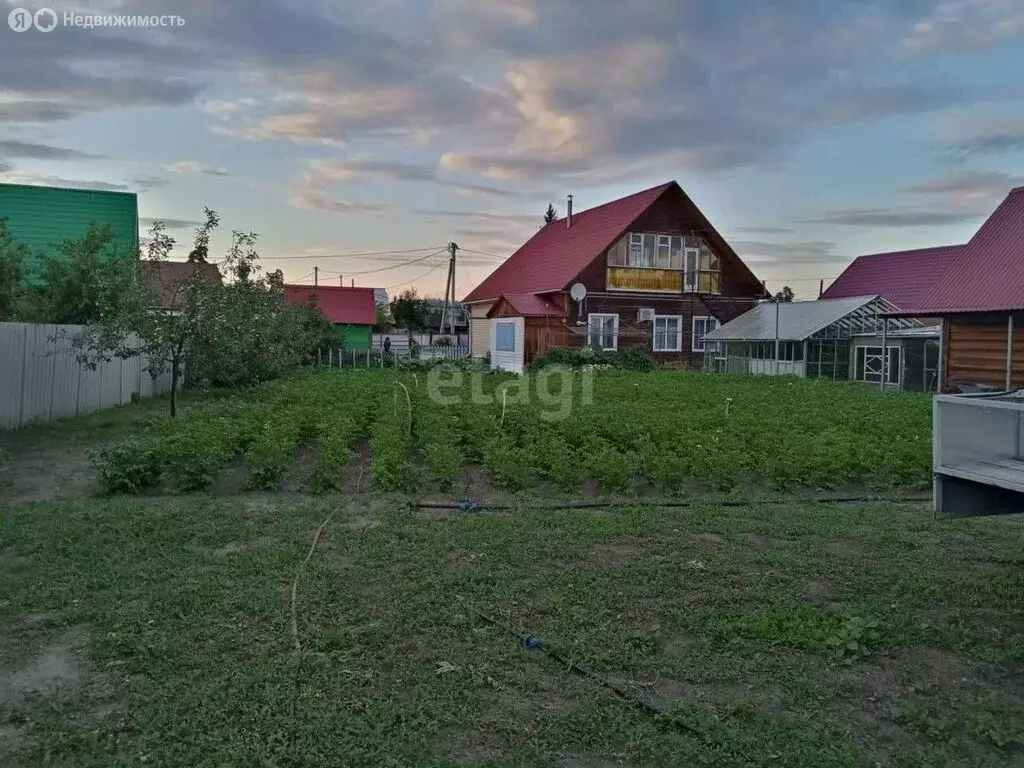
162	281
903	277
529	305
340	305
557	253
553	257
987	274
797	320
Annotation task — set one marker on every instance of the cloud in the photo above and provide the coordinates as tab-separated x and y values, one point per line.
26	149
320	174
969	191
891	217
144	182
796	252
147	223
967	25
195	167
764	230
992	138
42	180
310	200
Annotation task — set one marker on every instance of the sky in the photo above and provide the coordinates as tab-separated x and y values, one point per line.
807	131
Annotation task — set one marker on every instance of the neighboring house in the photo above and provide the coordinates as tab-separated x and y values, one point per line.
164	282
435	309
980	301
351	311
903	278
815	339
656	272
41	218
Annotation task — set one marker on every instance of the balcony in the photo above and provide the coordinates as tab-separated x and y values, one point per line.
662	264
644	279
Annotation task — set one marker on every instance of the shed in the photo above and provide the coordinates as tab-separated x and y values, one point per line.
351	311
523	326
809	339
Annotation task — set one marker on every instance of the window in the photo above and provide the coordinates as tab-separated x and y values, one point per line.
868	365
668	333
709	274
505	337
603	330
690	277
703	325
638	249
663	256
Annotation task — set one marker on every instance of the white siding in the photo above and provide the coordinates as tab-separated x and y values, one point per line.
41	381
508	361
479	329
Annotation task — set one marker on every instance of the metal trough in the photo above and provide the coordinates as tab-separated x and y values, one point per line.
978	454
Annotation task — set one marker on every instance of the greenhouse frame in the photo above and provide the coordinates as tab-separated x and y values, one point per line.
816	339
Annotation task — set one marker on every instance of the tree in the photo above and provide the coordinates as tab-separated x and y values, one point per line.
201	246
785	295
233	329
85	281
162	335
255	334
383	321
409	311
550	214
12	260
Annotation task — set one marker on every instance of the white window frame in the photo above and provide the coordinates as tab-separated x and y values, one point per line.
702	346
691	260
679	333
875	352
591	329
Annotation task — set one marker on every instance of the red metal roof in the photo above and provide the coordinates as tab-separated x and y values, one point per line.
904	278
532	305
340	305
557	253
988	273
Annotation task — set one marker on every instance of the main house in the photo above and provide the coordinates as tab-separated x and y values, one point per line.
646	270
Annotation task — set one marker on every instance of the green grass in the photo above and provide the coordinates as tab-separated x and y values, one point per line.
726	619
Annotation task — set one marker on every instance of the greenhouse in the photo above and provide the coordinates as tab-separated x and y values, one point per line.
814	339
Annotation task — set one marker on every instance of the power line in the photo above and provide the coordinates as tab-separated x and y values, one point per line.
315	257
481	253
416	279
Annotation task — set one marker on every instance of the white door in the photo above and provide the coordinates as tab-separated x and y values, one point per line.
508	343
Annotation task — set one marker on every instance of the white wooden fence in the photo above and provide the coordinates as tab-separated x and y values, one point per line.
41	381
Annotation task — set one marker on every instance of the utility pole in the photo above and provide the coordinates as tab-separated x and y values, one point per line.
448	308
341	280
316	275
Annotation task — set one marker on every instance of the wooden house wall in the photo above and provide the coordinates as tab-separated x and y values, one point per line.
976	350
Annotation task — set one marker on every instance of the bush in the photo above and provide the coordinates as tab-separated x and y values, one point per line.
627	358
129	467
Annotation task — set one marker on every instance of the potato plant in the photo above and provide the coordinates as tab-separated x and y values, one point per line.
670	429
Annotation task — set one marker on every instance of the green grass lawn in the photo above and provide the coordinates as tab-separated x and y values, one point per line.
158	632
156	628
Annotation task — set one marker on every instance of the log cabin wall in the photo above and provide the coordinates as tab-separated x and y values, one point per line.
976	350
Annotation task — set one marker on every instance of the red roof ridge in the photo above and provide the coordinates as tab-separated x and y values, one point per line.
659	188
908	251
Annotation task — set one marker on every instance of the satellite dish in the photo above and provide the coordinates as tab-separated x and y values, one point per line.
578	291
